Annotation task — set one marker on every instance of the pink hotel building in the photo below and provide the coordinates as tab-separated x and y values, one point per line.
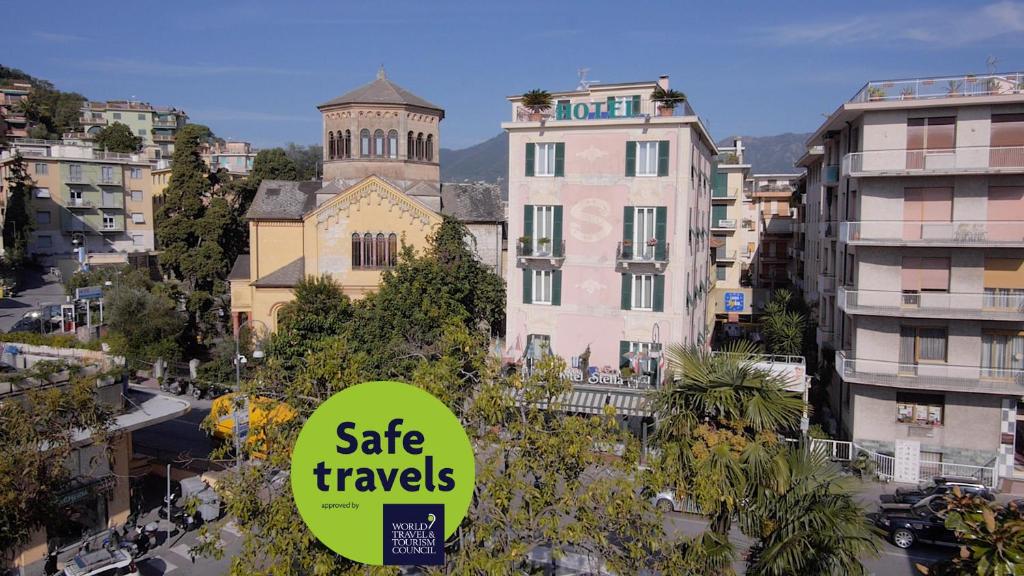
609	207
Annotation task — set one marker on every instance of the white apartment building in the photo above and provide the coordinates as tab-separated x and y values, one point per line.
922	220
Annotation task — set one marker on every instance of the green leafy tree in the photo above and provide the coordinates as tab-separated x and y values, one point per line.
784	328
51	112
143	325
319	311
307	160
991	537
35	443
18	222
118	137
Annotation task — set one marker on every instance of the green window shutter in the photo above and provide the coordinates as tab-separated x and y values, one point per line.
660	228
527	286
560	159
557	249
556	287
659	293
636	105
528	221
530	151
627	231
623	350
663	158
627	291
630	158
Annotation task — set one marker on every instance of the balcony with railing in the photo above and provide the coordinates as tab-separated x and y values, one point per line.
725	255
629	256
941	87
163	137
966	306
946	161
974	233
532	252
89	120
830	175
80	203
779	225
931	376
723	224
165	123
827	282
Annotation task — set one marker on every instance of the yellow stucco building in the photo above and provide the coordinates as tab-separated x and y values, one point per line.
381	189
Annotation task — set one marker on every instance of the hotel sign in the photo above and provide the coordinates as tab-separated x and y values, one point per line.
596	110
576	376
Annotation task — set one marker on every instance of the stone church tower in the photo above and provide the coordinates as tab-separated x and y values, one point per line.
384	130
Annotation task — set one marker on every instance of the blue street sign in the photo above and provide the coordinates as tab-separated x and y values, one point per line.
734	301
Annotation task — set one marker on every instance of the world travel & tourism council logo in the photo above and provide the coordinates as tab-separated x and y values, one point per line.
383	473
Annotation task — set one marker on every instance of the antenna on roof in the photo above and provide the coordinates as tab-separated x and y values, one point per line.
991	62
584	82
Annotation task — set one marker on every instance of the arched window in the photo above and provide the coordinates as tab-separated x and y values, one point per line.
419	146
410	147
346	149
378	144
357	250
330	145
364	143
382	250
430	147
393	144
368	249
392	249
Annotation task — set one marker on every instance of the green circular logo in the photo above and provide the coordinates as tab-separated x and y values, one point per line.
382	473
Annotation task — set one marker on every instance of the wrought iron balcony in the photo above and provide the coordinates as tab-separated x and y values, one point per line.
629	256
937	376
534	252
967	306
963	160
977	233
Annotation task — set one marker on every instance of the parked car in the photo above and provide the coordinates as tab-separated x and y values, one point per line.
906	524
939	485
102	562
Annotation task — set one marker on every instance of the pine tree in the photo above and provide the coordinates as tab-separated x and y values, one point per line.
18	224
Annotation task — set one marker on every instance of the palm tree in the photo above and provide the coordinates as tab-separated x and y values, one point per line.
784	326
718	416
804	520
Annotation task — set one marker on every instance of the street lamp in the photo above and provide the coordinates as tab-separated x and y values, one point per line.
257	353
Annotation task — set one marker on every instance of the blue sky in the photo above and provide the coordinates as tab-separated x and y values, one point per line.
256	70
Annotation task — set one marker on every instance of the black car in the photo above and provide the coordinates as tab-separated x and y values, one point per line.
908	523
939	485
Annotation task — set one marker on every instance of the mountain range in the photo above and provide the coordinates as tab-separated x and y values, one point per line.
488	160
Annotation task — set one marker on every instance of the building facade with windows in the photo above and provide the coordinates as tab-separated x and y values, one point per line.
156	125
734	235
773	196
83	197
377	192
235	157
13	122
609	209
923	228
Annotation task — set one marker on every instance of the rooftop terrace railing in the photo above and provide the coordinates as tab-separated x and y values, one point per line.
941	87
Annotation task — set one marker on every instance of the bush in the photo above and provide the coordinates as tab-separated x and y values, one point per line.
53	340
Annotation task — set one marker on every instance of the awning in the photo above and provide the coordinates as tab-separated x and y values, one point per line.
593	399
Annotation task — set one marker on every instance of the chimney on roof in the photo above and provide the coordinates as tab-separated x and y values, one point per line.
663	81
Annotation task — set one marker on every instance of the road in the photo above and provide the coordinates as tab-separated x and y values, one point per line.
36	288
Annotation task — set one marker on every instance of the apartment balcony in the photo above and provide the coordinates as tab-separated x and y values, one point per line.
830	175
725	256
941	87
824	335
971	233
163	138
80	204
965	306
638	258
165	123
779	225
773	191
551	253
963	160
718	195
90	121
937	376
827	282
723	225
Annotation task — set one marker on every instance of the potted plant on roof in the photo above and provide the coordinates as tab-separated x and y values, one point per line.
953	87
525	245
667	100
875	93
907	93
537	102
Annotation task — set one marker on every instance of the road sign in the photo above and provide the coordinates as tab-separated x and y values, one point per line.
734	301
89	293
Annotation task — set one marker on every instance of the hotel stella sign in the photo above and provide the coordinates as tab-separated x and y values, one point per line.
612	108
